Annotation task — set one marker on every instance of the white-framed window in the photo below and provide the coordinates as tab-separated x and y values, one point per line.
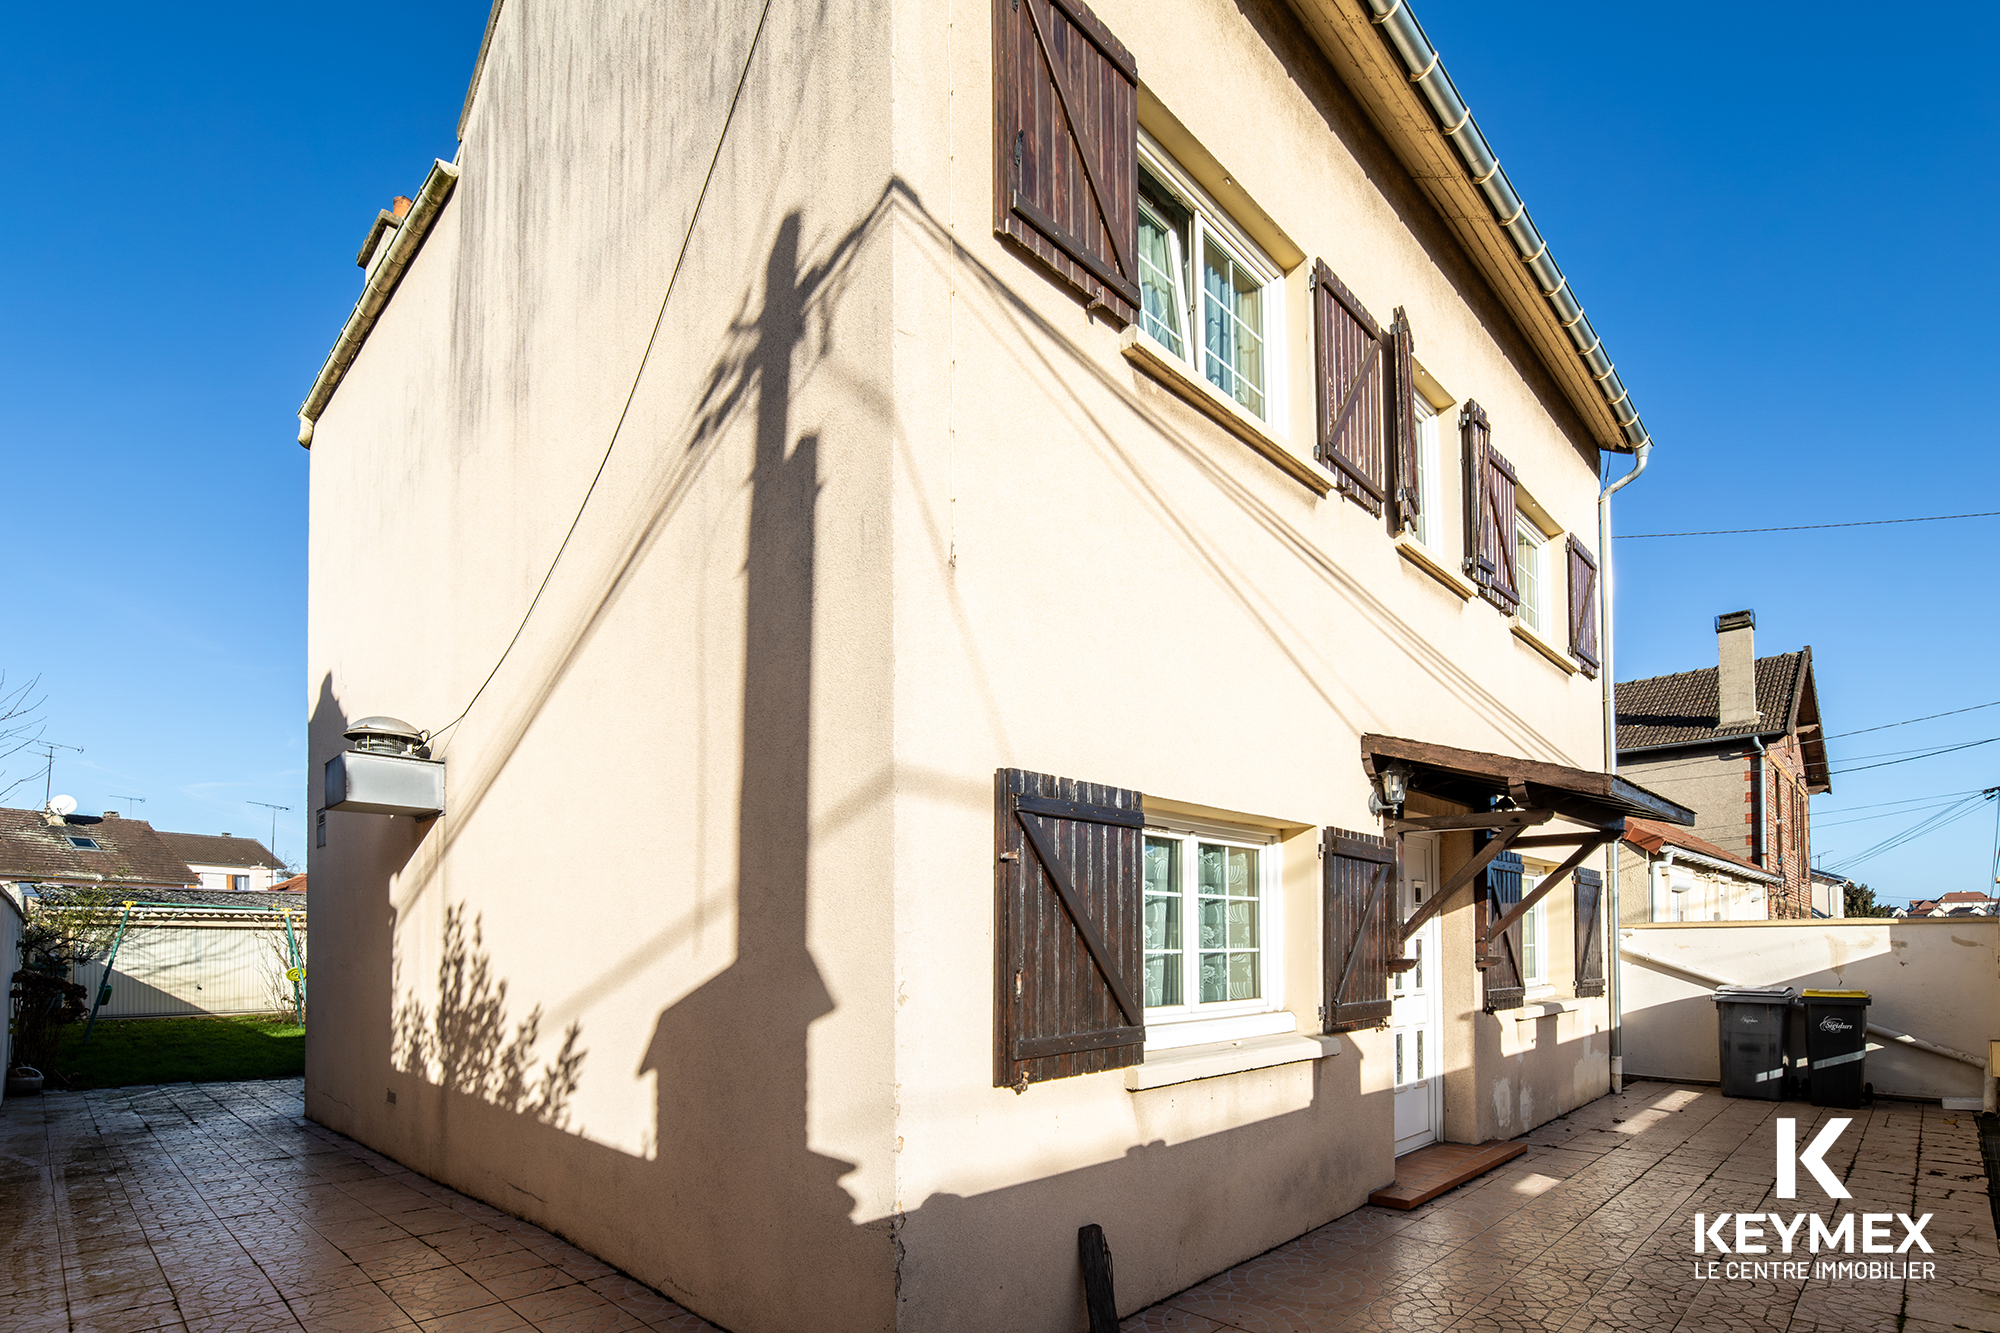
1531	574
1429	527
1207	294
1211	927
1534	939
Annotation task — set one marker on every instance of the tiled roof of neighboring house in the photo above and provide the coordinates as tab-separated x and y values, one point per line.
1649	837
1964	896
128	851
219	849
296	884
1668	712
236	898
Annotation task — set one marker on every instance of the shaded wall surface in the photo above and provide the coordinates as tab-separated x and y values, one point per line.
1934	979
874	509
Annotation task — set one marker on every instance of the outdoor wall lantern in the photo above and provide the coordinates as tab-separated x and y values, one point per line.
1394	783
388	772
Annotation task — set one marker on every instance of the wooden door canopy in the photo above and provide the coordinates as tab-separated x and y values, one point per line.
1475	778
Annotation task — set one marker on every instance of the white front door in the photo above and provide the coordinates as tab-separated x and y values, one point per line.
1413	1020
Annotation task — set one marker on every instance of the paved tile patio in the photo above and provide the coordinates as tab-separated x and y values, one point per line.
1592	1231
219	1207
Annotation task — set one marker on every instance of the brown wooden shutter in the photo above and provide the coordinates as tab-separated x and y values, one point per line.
1403	420
1489	512
1582	607
1500	890
1362	934
1071	955
1351	390
1066	146
1589	913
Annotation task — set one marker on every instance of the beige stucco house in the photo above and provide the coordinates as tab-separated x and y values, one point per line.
927	540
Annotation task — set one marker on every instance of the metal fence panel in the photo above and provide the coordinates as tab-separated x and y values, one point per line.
164	970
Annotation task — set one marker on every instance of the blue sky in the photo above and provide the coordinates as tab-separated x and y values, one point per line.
1779	220
190	186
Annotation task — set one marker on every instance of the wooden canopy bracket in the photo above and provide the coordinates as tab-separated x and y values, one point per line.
1516	821
1591	842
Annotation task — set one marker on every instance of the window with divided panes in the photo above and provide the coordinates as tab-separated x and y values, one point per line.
1206	925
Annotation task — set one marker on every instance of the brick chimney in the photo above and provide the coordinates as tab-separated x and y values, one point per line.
1736	675
111	814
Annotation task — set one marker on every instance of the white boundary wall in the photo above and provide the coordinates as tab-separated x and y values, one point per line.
1935	978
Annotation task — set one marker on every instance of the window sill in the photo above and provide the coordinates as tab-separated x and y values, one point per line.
1174	375
1535	1009
1544	647
1189	1063
1427	560
1209	1031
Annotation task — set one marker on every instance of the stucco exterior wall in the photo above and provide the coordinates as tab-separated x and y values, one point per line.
889	511
1715	786
630	986
1935	979
1094	580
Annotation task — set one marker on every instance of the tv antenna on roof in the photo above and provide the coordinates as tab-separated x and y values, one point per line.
49	749
274	809
121	796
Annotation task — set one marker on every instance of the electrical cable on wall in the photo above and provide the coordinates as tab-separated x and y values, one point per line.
638	374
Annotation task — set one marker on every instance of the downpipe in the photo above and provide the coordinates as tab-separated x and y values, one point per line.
1642	455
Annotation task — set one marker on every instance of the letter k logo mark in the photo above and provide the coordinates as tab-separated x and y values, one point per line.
1790	1158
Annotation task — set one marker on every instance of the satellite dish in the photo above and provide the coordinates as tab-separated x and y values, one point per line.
63	805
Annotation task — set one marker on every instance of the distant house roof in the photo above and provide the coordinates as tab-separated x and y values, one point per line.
1964	896
128	852
1651	837
219	849
1672	712
296	884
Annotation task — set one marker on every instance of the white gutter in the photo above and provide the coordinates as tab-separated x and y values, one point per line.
1426	72
1642	456
1672	853
1887	1034
381	285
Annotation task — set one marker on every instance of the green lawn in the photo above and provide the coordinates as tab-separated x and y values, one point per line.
125	1051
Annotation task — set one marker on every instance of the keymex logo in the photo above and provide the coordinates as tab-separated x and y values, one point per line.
1812	1159
1746	1233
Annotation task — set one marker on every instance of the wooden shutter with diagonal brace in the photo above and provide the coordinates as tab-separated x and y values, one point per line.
1589	905
1070	884
1351	396
1582	607
1490	556
1066	146
1362	935
1403	421
1500	967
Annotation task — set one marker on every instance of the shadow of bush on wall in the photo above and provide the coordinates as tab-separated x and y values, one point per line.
466	1043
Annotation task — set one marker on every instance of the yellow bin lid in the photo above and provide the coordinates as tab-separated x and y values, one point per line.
1836	994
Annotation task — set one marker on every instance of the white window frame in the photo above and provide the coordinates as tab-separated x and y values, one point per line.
1193	1022
1534	936
1531	573
1424	433
1211	223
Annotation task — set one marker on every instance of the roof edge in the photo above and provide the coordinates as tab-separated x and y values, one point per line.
1400	78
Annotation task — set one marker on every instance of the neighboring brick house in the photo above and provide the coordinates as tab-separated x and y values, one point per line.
85	851
1739	743
227	863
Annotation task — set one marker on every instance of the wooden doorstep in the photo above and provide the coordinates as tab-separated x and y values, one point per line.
1428	1172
